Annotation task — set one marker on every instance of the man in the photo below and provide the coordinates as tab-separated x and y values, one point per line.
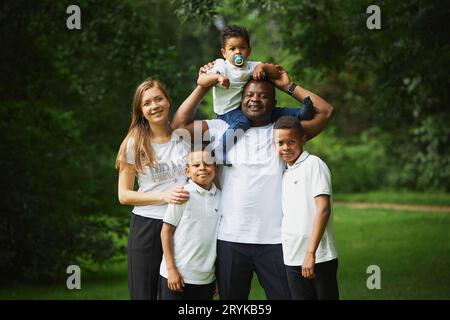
249	237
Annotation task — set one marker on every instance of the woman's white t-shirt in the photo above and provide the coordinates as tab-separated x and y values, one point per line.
171	160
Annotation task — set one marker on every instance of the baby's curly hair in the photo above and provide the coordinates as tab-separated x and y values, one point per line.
233	32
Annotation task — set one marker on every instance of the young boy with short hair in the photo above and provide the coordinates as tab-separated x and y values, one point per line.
189	235
229	76
309	250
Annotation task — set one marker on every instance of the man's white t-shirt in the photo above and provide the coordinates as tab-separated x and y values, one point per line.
251	187
306	179
194	239
169	171
226	100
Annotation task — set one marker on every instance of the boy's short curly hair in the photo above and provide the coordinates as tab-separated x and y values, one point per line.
289	122
234	32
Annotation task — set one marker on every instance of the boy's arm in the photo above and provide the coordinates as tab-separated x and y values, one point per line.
323	109
320	222
212	74
209	80
175	281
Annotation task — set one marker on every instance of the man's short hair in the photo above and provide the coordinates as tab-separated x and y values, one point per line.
234	32
290	122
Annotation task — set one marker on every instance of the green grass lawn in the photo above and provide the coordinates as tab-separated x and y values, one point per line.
400	197
411	248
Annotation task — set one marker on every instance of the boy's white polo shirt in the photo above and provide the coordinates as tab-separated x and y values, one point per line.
195	236
302	182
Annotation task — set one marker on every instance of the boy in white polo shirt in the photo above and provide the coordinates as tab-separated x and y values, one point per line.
189	235
309	250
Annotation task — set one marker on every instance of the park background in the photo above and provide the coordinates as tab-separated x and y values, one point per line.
65	108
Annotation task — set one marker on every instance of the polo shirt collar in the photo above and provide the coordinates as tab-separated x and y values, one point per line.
299	160
200	190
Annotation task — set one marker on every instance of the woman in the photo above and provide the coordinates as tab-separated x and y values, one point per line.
156	156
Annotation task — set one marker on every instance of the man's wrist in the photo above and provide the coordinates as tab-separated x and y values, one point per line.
291	88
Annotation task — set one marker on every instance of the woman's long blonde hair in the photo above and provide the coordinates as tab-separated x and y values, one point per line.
140	131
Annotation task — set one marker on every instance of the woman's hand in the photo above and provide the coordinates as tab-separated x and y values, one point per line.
176	195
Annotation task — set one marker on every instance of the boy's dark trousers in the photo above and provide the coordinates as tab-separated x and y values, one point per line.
323	287
190	291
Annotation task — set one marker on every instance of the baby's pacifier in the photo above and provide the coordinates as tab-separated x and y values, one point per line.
238	59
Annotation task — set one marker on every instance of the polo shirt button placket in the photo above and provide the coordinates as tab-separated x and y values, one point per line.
210	201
